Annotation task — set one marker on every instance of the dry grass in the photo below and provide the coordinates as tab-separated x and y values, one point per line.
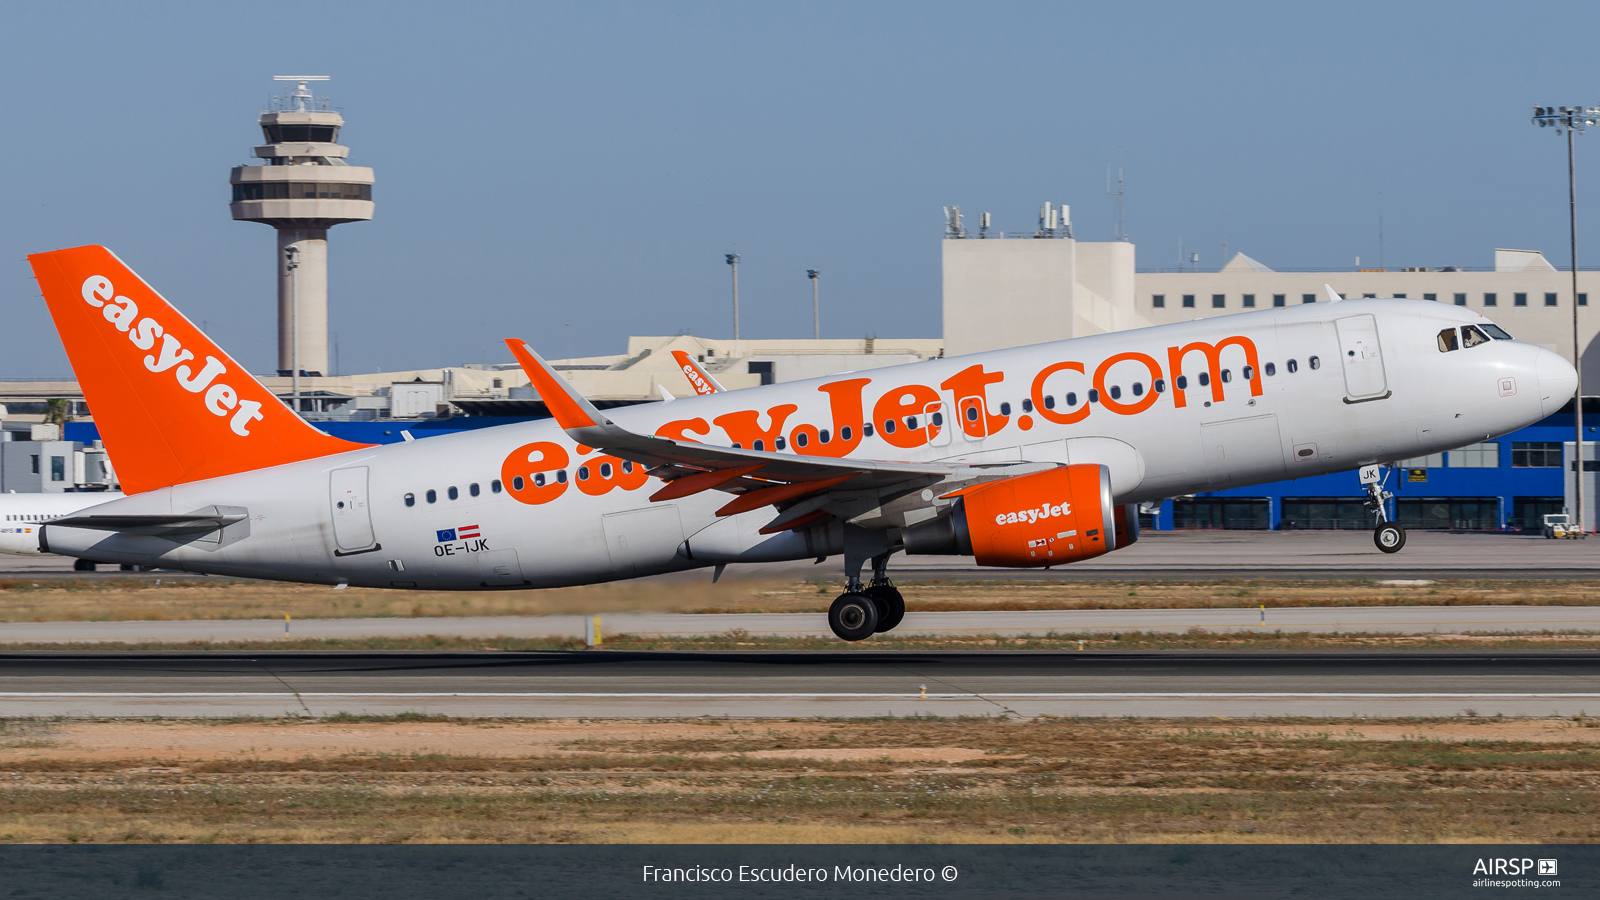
908	780
124	599
1197	639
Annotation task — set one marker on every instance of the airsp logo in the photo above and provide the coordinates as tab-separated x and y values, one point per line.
1503	866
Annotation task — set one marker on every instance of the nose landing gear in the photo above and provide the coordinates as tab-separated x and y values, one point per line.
1388	536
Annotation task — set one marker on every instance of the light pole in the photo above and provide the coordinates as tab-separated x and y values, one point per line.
1571	119
294	326
816	310
733	263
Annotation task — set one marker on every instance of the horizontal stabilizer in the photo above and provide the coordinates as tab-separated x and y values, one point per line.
156	525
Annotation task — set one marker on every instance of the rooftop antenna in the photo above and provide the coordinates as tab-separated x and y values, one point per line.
301	97
952	223
983	225
1120	235
1380	229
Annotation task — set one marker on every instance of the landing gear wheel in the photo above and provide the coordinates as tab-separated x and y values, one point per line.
853	617
83	565
1389	537
891	606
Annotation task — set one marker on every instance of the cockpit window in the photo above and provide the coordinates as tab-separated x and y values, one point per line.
1447	341
1472	336
1496	332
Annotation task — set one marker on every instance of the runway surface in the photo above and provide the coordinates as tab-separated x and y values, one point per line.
1384	619
607	684
1173	554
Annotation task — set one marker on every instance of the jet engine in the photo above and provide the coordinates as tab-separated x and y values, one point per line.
1047	518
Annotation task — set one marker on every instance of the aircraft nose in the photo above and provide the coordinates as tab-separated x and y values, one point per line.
1558	380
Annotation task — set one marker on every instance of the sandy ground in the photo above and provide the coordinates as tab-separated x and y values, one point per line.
177	740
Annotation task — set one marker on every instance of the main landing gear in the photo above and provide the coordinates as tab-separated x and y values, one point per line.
862	611
1389	536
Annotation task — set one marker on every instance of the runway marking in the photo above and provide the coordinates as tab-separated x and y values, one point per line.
1196	695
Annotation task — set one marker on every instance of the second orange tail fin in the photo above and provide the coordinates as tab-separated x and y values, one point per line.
170	405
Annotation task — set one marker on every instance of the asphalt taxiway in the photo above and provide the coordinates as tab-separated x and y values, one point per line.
608	684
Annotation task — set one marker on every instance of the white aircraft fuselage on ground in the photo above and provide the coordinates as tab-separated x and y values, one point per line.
21	515
922	457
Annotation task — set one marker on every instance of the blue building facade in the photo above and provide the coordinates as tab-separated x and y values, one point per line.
1507	483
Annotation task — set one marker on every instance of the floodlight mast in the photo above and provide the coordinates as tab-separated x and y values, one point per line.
733	263
1573	119
816	309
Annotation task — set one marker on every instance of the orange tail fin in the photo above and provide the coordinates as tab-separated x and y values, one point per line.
170	405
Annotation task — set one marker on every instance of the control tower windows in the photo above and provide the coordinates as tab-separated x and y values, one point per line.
301	190
318	134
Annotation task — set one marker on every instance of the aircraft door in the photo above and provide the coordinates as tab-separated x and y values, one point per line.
974	417
1361	358
938	424
352	517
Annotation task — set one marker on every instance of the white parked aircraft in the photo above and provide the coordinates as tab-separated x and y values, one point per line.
1020	458
22	515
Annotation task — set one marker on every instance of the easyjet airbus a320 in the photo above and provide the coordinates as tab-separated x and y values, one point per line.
1019	458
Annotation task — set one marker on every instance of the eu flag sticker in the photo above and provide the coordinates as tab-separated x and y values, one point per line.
446	534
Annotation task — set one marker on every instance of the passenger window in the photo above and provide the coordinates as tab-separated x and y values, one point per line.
1072	398
583	473
937	419
1027	406
561	476
757	444
888	426
1471	336
1160	385
453	493
1094	396
1271	369
1315	361
1249	374
1293	367
1447	341
627	464
517	482
1182	382
431	496
1005	409
1205	378
494	486
866	431
911	422
1116	392
972	414
411	499
605	468
800	439
824	436
1138	389
777	443
473	489
1050	401
1227	376
844	433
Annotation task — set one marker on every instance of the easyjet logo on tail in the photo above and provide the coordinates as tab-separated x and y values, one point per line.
218	398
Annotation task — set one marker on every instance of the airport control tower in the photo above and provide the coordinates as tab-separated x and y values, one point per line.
302	187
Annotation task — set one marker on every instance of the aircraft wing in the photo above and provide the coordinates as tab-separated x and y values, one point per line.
806	488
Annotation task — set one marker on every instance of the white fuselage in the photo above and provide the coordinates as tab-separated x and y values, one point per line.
22	514
1368	383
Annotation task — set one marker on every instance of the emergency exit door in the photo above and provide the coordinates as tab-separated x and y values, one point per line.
1361	358
352	517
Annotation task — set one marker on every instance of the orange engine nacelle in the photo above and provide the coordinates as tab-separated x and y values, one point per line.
1044	519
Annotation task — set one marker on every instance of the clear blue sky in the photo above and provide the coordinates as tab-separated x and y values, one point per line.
573	173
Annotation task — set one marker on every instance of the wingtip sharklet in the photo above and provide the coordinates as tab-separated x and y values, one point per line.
568	407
